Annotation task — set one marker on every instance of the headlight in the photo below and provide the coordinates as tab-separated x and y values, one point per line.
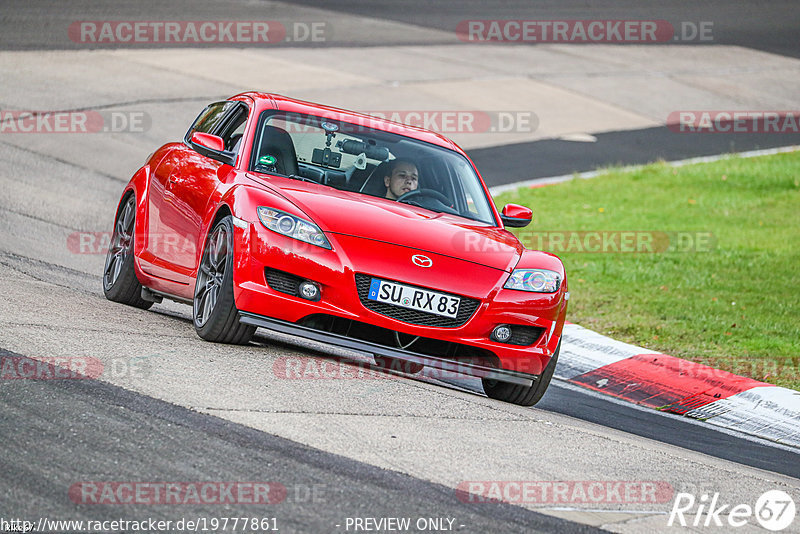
291	226
535	280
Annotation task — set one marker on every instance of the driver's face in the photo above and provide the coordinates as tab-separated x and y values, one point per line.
403	179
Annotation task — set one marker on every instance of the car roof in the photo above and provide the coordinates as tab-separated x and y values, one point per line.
267	101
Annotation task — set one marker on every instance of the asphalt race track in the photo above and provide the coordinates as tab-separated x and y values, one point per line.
142	438
169	407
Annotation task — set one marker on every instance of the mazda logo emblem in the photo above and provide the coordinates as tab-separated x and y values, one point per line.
421	261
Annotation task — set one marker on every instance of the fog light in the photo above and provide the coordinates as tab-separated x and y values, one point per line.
309	290
501	333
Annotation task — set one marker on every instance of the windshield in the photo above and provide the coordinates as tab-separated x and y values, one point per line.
371	162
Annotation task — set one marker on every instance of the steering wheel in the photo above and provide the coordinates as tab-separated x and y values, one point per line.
432	193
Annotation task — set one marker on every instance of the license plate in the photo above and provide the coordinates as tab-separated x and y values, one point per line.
414	298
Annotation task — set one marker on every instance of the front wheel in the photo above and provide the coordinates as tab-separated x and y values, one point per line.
119	277
522	395
214	311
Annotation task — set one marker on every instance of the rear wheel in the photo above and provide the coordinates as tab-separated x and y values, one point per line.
119	277
214	311
522	395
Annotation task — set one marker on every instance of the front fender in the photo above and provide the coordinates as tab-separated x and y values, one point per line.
242	202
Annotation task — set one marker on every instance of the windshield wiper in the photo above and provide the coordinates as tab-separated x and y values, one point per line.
306	179
301	178
441	208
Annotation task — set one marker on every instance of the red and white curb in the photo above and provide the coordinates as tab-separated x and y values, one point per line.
679	386
667	383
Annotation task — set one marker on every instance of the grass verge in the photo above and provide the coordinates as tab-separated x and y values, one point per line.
716	279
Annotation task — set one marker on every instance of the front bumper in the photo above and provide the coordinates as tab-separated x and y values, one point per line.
334	271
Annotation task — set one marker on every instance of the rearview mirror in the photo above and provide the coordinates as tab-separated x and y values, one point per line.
212	146
516	216
213	142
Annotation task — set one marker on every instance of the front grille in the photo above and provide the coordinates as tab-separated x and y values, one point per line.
465	309
524	335
447	350
283	282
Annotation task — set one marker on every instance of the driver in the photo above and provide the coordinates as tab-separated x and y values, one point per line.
402	177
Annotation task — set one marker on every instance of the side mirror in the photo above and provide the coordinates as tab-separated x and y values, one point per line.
213	142
516	216
212	146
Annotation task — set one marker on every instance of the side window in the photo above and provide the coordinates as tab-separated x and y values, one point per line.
211	117
233	128
471	191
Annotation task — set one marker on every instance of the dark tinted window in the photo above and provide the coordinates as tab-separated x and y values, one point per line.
357	158
211	117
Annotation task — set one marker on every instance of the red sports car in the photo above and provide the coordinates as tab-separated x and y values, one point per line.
343	228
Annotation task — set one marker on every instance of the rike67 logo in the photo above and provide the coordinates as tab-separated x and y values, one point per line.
774	510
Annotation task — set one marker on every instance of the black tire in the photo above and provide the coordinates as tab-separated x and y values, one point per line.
214	311
393	364
522	395
119	277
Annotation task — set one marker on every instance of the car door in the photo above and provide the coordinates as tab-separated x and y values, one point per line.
191	182
151	261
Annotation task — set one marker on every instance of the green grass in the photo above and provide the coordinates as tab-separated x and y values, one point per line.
735	307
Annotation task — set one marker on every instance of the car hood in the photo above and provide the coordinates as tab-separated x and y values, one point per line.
367	217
